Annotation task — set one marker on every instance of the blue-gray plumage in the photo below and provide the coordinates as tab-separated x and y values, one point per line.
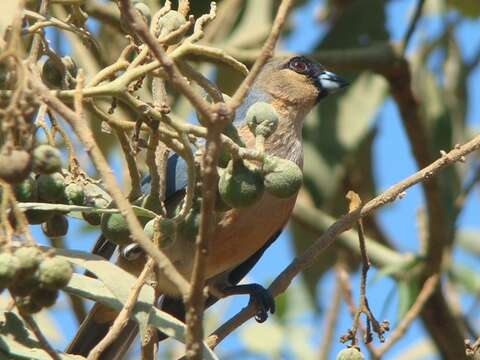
292	86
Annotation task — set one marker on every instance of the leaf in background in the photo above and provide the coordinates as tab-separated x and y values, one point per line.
469	240
17	342
408	291
356	110
469	8
267	339
117	280
466	277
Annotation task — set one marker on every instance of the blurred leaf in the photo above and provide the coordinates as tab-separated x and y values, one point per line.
469	8
401	268
281	306
299	341
408	291
469	240
267	339
466	277
356	111
18	342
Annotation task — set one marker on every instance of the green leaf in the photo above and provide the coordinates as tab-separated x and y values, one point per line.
469	240
254	337
469	8
466	277
408	291
112	289
139	211
17	342
356	111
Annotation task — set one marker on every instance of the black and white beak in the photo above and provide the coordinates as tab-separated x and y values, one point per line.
330	82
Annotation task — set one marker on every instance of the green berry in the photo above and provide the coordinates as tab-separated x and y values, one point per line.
56	226
350	354
144	10
29	257
188	228
152	203
9	267
15	165
115	228
92	218
25	283
36	217
27	304
239	186
46	159
26	191
53	73
167	231
262	119
44	297
168	23
283	178
54	273
51	187
75	194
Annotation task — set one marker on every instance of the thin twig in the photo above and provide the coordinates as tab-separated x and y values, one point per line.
427	290
39	335
122	317
330	322
196	299
413	24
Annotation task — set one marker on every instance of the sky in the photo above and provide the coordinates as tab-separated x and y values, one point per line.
398	219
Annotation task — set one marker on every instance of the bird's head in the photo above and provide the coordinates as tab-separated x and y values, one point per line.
298	80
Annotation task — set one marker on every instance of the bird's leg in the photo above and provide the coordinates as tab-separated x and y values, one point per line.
260	297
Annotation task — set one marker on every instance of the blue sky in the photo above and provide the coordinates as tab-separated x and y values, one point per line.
391	145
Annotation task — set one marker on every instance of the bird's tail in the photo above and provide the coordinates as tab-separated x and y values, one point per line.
93	330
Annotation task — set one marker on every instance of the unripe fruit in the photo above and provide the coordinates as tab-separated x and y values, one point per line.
188	228
27	304
44	297
167	231
25	283
9	266
350	354
54	273
26	191
15	165
51	187
36	217
262	119
152	203
168	23
46	159
29	257
56	226
239	186
92	218
283	178
115	228
53	73
75	194
144	10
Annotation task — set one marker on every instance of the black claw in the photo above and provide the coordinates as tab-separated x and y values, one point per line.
259	297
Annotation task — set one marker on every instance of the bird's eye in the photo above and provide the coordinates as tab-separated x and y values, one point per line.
299	66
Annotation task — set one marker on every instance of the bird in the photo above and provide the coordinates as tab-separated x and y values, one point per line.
293	86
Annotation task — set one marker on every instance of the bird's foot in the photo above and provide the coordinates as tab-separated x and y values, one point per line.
260	297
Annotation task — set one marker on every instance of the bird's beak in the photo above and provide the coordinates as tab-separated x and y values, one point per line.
331	82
